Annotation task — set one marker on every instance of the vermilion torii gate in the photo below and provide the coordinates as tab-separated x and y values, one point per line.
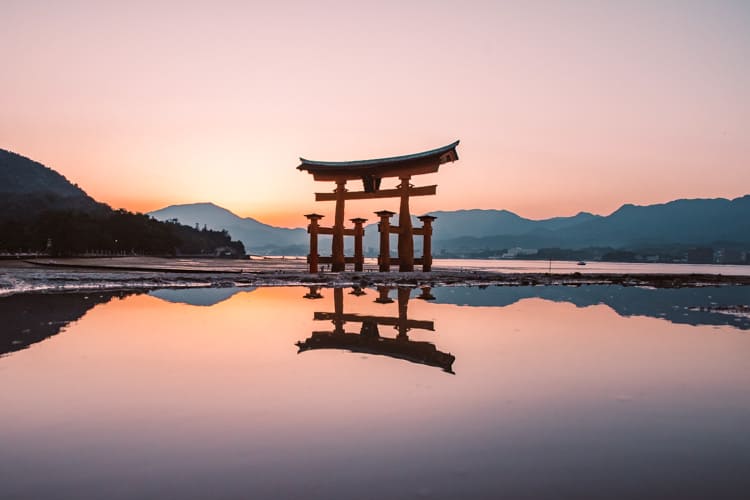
372	172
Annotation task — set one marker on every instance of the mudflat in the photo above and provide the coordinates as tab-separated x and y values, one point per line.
123	273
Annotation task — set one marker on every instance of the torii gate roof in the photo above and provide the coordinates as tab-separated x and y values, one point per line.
418	163
420	352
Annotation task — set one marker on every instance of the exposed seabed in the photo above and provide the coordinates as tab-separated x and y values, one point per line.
57	275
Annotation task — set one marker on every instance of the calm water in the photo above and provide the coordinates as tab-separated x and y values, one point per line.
518	266
504	392
563	266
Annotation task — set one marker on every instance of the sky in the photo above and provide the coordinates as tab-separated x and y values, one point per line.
560	106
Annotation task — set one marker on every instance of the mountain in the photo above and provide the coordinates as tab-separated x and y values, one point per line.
256	236
462	230
697	222
495	222
681	222
27	188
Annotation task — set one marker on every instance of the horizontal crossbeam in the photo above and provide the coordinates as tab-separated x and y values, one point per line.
395	261
383	193
417	231
329	230
380	320
329	260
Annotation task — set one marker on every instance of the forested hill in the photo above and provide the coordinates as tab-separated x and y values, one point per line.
28	188
40	210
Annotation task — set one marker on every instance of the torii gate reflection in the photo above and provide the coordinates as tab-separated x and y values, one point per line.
368	340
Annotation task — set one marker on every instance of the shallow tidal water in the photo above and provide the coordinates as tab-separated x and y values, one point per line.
293	392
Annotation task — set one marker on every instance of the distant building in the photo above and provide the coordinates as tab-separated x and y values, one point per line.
512	253
730	256
226	252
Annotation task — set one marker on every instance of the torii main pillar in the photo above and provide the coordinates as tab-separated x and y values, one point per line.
338	262
405	230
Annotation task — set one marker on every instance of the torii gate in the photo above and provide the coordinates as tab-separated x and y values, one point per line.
371	172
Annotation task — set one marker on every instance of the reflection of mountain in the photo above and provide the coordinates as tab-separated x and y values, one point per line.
693	306
198	296
28	319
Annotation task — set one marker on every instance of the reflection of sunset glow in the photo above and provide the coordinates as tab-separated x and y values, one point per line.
159	353
190	393
568	107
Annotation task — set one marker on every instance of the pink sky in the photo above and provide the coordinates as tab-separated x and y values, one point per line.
559	106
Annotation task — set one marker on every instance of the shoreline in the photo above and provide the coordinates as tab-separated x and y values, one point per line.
71	275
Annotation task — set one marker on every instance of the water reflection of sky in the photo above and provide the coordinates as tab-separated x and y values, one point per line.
559	392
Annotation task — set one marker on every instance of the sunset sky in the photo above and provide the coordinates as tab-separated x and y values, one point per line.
560	106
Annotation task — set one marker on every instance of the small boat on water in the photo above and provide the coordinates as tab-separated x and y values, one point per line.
581	263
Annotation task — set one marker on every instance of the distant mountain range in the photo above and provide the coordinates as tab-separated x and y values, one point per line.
30	192
696	222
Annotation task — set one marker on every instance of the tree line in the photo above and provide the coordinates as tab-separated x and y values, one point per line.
67	233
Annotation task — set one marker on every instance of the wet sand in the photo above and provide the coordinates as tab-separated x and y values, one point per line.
127	273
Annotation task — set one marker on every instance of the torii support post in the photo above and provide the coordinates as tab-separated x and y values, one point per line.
338	262
426	293
427	242
338	308
313	293
359	232
403	301
313	228
405	234
384	259
383	297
